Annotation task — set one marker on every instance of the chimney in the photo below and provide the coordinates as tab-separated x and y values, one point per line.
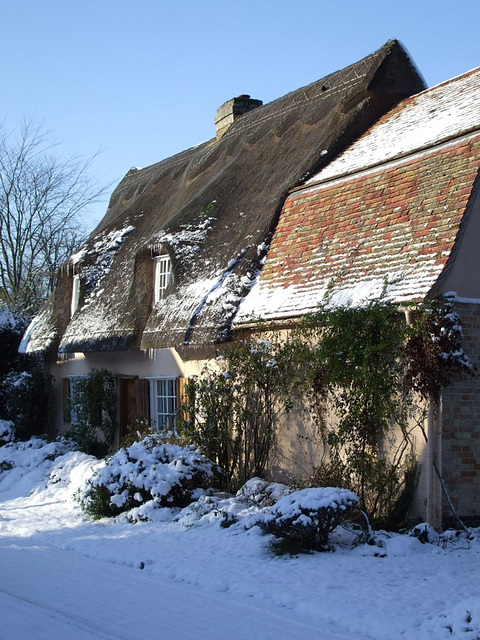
231	110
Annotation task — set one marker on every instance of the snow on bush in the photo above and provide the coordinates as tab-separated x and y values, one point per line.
244	508
262	493
28	463
425	533
7	432
306	518
145	476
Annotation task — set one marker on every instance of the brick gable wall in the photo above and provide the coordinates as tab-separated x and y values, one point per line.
461	426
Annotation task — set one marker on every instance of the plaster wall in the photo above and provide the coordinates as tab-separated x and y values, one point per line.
462	272
141	364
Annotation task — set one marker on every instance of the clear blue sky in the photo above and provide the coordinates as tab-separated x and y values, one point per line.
141	80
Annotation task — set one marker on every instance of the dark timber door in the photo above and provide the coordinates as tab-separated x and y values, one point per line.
134	403
127	405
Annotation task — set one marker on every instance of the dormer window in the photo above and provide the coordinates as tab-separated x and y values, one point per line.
163	274
75	294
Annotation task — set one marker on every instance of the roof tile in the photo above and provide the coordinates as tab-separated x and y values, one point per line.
356	240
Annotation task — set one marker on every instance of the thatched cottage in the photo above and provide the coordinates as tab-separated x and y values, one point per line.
362	178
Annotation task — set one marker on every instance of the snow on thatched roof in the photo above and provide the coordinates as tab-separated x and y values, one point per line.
213	208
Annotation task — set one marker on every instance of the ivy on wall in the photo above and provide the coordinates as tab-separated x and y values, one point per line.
93	412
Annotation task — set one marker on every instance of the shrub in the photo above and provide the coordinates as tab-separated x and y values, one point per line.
25	387
34	456
7	432
233	412
26	400
94	408
12	328
305	518
262	493
149	470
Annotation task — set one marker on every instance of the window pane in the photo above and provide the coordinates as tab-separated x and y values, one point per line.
164	396
162	275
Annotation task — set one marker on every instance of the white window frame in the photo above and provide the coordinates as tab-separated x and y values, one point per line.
162	276
73	380
75	294
163	402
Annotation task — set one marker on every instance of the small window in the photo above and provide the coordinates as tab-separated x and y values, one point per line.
73	391
163	402
75	294
163	274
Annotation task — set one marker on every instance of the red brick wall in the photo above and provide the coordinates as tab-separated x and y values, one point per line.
461	425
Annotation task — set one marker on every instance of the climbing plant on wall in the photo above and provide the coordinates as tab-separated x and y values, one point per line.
360	370
93	411
233	411
365	367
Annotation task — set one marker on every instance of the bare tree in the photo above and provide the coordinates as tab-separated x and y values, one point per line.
42	196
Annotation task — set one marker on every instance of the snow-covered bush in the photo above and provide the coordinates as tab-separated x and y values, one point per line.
150	471
12	327
25	400
31	458
425	533
262	493
304	519
7	432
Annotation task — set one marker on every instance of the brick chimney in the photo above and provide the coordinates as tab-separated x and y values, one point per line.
231	110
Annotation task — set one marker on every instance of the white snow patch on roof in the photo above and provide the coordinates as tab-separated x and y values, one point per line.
105	249
185	243
23	346
76	257
278	302
428	118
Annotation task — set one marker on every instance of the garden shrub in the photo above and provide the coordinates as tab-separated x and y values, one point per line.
26	397
7	432
93	412
165	474
12	328
25	387
233	412
352	358
262	493
31	456
305	518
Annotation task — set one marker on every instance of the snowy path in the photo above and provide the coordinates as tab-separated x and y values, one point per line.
65	577
52	594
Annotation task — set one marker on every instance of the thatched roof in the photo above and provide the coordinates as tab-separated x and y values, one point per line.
387	215
213	208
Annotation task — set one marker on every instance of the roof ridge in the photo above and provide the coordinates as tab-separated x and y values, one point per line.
271	109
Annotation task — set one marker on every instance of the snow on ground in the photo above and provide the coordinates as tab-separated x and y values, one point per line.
64	576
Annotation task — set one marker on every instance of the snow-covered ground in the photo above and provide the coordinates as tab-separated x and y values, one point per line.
64	576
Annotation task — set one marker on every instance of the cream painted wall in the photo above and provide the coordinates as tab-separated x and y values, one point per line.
464	274
144	364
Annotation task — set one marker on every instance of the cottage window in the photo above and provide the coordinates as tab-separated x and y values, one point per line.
75	294
163	275
72	398
163	402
